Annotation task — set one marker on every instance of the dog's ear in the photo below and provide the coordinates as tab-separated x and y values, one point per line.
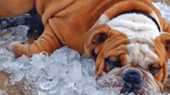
164	39
99	34
94	38
162	49
99	37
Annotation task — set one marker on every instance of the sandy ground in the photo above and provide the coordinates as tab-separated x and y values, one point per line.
18	89
10	89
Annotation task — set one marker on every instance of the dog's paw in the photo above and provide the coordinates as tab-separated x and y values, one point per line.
10	45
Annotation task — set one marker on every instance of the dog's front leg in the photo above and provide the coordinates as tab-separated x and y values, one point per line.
47	42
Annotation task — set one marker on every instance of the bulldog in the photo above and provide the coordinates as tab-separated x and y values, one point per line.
130	44
128	39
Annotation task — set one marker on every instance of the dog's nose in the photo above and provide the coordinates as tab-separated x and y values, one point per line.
132	80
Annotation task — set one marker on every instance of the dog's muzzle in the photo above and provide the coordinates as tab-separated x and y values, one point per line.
130	80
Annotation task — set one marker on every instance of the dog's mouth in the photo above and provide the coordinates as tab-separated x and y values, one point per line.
117	84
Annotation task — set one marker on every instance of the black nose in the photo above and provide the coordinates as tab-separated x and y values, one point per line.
132	80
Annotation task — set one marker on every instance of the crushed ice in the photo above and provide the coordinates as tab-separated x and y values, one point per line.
64	72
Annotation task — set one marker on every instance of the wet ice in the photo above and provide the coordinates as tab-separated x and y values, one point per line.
164	10
58	74
2	92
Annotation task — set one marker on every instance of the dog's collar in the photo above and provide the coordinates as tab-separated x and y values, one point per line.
152	18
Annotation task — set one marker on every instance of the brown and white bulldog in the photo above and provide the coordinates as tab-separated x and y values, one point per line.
129	40
131	46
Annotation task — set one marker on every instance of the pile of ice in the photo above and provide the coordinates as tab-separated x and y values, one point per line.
64	72
2	92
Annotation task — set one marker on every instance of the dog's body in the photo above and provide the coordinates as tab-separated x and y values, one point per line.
63	21
128	40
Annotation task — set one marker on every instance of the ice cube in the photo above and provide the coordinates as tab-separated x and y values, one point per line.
61	51
18	21
55	90
2	92
60	55
164	10
17	77
10	19
3	31
31	86
2	43
107	91
127	93
90	90
39	60
56	69
73	55
33	74
1	67
43	93
11	67
12	30
79	86
74	72
47	85
159	93
21	30
6	55
24	60
3	24
26	15
9	37
90	81
88	68
68	91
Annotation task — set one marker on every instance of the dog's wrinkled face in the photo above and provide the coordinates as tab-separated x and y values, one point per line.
129	58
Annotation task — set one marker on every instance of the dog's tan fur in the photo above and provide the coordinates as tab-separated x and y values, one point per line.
65	22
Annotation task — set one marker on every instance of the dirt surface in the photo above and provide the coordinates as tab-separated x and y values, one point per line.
5	85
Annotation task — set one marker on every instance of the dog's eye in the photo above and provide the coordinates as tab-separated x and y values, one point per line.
94	55
112	64
153	70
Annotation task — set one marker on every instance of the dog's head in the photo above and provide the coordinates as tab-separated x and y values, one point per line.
133	51
139	62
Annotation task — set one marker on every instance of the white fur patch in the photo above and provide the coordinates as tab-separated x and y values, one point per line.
141	55
141	30
102	20
135	25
